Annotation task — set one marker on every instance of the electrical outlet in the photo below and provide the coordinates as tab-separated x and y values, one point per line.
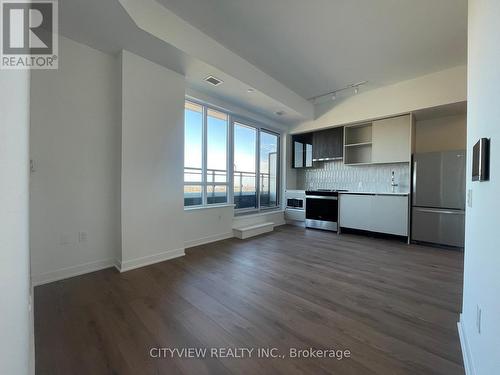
478	319
469	198
82	236
65	239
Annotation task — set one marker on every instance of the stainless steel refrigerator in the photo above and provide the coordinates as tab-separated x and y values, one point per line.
438	198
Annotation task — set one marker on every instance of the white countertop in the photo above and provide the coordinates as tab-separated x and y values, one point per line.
358	192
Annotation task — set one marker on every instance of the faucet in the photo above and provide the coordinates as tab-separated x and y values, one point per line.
393	183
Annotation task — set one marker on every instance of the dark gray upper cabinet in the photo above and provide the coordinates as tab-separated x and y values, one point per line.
328	144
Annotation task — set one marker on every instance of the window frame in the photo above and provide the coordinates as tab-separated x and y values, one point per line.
259	128
204	162
278	168
233	118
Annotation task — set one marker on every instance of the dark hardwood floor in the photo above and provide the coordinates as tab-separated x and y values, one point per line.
393	306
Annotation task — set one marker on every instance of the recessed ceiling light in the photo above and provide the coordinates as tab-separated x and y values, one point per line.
214	80
279	113
334	96
250	90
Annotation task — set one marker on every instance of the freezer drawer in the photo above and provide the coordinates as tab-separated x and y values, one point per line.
439	226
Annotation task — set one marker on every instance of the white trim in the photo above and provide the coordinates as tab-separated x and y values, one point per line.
208	239
195	208
466	353
149	259
67	272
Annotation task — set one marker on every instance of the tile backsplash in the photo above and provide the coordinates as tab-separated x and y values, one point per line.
368	178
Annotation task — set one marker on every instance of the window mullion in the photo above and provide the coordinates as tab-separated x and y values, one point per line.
230	160
204	157
257	168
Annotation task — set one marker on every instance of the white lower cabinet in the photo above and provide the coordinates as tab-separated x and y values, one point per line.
355	211
375	213
390	214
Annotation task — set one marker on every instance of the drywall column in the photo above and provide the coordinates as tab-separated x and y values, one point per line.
76	147
15	317
480	333
152	163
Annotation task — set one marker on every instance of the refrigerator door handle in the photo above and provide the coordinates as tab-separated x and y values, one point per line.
414	177
440	211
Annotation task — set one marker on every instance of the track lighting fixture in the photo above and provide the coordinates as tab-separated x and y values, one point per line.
333	94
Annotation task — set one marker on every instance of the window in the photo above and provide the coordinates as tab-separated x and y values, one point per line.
217	129
193	156
205	155
245	166
256	168
269	146
210	168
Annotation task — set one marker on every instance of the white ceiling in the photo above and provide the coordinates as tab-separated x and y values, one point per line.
316	46
280	47
105	25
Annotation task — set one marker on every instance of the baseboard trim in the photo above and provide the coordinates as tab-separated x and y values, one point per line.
208	239
466	354
67	272
148	260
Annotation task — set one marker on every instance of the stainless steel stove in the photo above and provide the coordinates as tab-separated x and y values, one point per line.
322	209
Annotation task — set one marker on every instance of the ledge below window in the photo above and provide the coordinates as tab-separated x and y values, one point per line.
254	213
195	208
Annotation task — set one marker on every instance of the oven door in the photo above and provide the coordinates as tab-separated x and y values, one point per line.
322	212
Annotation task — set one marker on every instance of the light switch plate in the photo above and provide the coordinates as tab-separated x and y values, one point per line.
469	198
64	239
82	236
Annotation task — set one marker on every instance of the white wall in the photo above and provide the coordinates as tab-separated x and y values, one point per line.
77	117
152	162
75	143
441	134
482	251
15	318
440	88
204	225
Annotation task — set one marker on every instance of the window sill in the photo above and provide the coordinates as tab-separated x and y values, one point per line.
196	208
